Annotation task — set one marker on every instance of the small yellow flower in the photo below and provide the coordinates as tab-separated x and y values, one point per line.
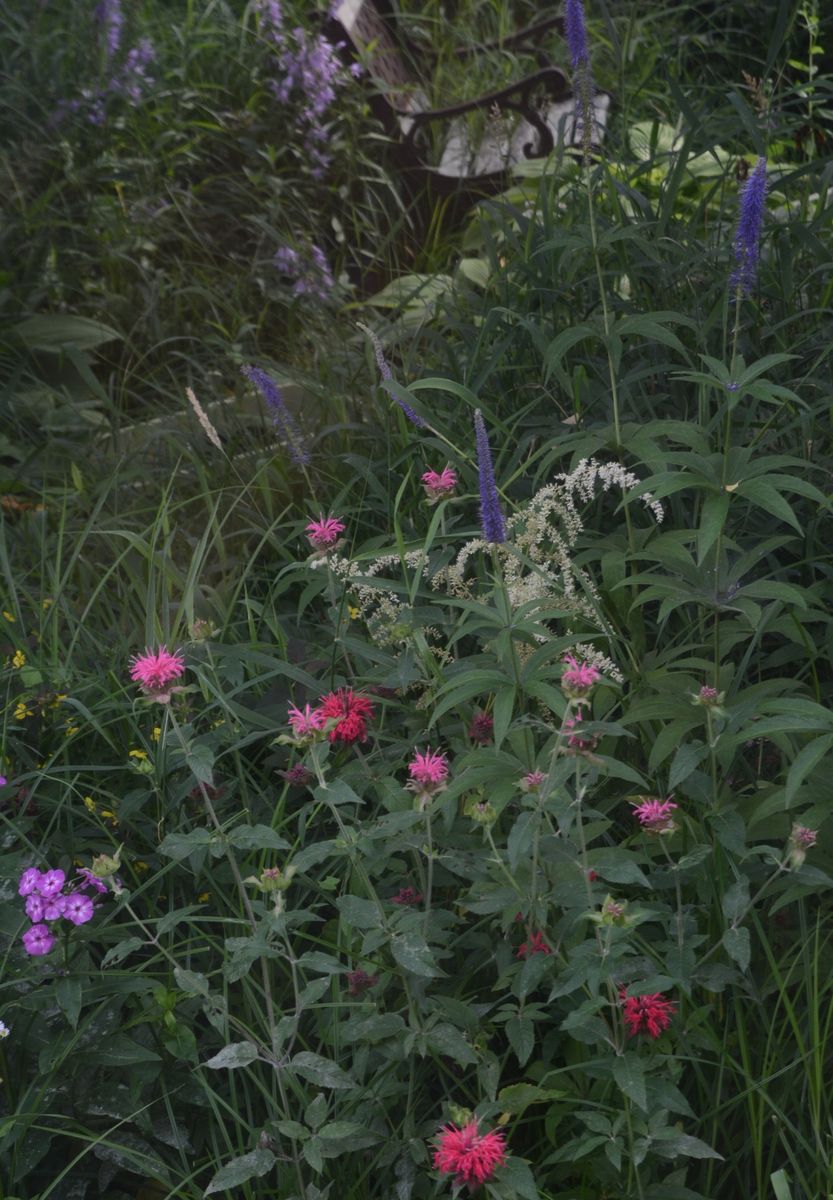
156	733
70	730
59	699
7	615
203	896
22	711
89	804
140	754
46	604
353	612
141	865
109	816
19	659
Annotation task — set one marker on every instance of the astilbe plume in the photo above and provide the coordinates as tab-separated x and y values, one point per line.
748	233
350	712
281	416
491	516
470	1156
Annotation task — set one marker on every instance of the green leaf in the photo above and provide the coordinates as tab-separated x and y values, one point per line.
736	899
803	764
516	1180
121	950
412	952
200	761
516	1098
361	914
51	332
630	1076
239	1170
669	1143
238	1054
712	520
780	1185
256	837
685	763
321	1071
448	1041
121	1051
69	994
179	845
520	1030
521	837
736	942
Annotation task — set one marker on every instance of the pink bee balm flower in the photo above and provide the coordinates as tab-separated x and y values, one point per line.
804	837
306	722
51	883
655	815
481	729
38	940
535	945
428	769
324	532
78	908
532	781
469	1156
579	678
155	670
29	882
646	1014
350	712
439	484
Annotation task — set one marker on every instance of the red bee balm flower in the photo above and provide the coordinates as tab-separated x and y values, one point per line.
535	945
469	1156
324	532
351	712
646	1014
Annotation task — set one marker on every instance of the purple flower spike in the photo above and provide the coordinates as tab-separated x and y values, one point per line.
748	234
111	18
281	416
491	517
575	32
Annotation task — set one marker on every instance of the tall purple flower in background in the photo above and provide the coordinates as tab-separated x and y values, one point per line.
491	517
575	31
111	19
281	416
387	376
748	233
309	270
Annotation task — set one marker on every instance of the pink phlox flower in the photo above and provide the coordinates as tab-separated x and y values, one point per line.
407	895
535	945
155	670
3	781
470	1156
324	532
38	940
29	882
51	883
438	484
90	880
578	678
655	814
306	722
34	907
428	769
649	1014
350	712
78	908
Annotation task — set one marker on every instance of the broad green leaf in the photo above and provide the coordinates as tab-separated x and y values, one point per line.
249	1166
736	942
629	1073
686	761
361	914
256	837
803	764
412	952
238	1054
321	1071
51	332
520	1030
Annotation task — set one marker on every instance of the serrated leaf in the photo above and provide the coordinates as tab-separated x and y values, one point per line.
681	1143
630	1076
521	837
737	944
321	1071
736	899
239	1170
685	762
179	845
256	837
121	950
238	1054
191	982
413	953
516	1098
803	763
361	914
520	1030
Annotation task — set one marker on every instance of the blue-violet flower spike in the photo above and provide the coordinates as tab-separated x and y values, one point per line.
281	416
491	517
748	234
575	32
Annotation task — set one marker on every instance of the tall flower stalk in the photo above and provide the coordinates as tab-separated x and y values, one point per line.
575	31
491	516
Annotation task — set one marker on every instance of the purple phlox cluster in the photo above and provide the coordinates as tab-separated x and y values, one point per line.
49	898
491	516
309	71
110	17
281	416
748	233
308	269
575	31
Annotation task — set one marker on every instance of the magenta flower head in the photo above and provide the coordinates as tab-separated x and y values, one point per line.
801	839
646	1014
428	772
78	908
578	679
748	233
654	815
156	670
535	945
38	940
439	484
29	882
51	883
323	533
491	516
34	906
89	880
470	1156
306	722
